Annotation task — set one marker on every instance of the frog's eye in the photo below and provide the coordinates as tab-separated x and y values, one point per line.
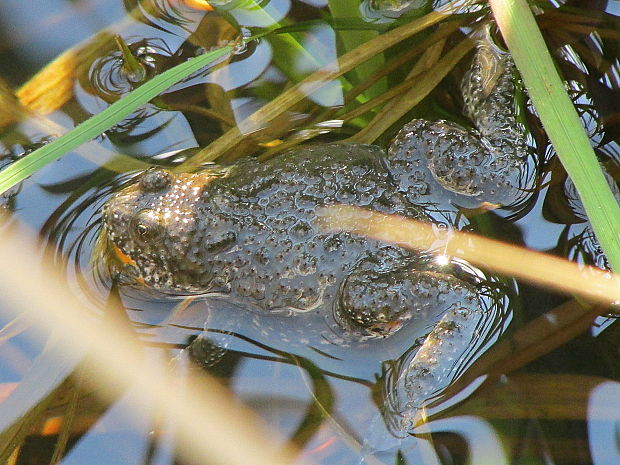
147	226
155	179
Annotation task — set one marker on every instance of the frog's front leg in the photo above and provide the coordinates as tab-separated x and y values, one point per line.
435	163
376	303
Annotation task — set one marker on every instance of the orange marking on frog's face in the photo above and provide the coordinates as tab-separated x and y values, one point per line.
127	261
124	258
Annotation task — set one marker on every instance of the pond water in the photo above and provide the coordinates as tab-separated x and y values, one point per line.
339	403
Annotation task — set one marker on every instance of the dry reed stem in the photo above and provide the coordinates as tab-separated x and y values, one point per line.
541	269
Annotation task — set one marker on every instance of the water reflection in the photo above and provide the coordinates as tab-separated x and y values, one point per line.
165	15
319	44
480	438
563	206
592	85
108	76
255	13
383	11
603	423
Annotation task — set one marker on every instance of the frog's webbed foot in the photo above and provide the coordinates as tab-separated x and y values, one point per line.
423	375
377	303
438	162
210	347
207	350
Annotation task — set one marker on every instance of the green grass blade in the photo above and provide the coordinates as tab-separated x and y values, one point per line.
561	121
24	167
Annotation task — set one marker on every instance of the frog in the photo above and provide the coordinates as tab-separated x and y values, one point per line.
250	233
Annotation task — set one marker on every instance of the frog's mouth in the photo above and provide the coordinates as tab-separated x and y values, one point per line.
122	256
129	267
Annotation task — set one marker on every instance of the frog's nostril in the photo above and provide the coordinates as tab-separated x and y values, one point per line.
155	179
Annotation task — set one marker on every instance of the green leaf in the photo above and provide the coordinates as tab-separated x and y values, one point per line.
99	123
560	119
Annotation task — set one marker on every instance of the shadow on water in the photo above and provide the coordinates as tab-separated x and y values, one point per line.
341	402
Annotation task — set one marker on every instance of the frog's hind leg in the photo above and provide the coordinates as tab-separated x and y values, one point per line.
422	377
438	162
450	318
375	303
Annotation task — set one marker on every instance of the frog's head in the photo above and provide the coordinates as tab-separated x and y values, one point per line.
150	231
